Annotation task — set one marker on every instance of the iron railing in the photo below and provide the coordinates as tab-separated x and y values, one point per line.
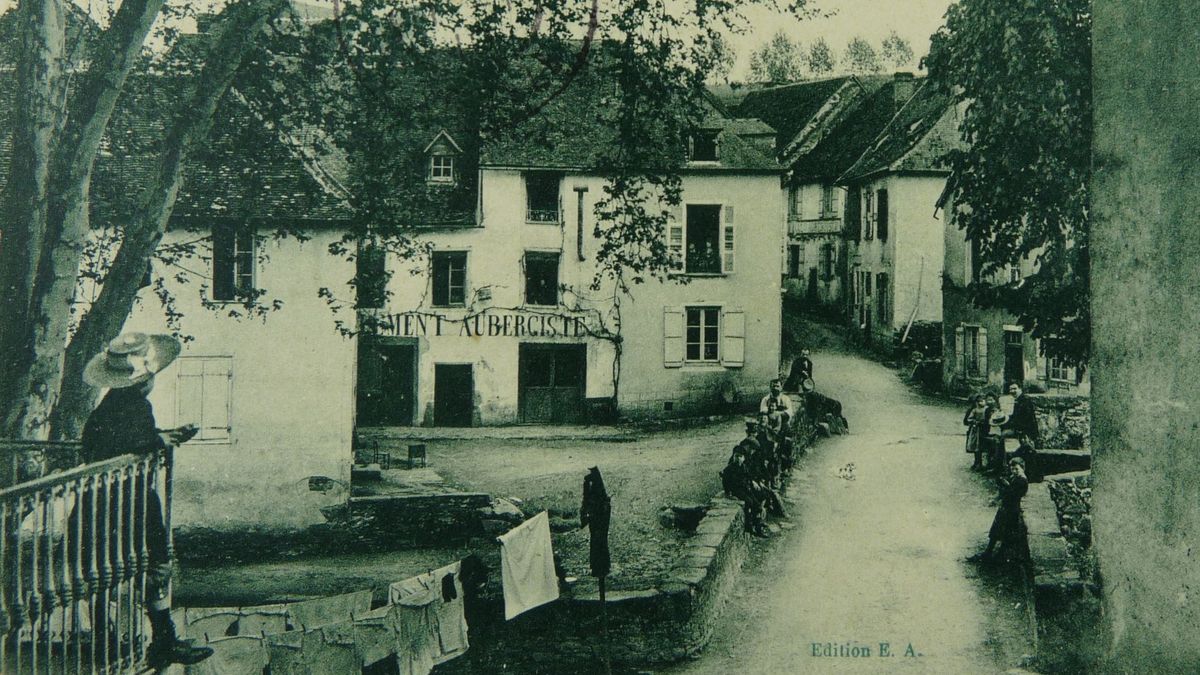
74	557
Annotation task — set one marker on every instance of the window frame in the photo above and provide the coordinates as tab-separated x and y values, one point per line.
441	174
829	201
703	312
1056	365
449	257
236	245
709	135
795	260
971	359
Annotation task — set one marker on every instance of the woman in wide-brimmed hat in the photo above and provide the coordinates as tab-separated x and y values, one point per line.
123	423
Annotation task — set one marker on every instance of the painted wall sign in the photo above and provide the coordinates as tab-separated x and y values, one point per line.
488	324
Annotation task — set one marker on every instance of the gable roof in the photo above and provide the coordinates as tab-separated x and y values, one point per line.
841	141
915	139
449	139
575	130
789	107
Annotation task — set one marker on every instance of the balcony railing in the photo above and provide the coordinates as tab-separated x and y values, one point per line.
542	216
74	555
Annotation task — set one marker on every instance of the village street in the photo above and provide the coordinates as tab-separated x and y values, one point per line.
881	520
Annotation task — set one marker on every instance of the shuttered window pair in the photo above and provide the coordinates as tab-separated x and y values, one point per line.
704	334
700	239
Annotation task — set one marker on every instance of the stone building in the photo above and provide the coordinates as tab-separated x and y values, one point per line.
894	234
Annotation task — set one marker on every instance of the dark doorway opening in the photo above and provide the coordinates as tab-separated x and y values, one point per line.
1014	357
812	284
453	395
552	383
387	382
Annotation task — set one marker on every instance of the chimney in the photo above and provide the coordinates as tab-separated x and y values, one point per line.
903	86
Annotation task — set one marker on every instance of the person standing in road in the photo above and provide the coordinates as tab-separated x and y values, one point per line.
1008	527
123	423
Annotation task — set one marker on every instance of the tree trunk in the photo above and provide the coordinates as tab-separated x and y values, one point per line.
36	381
23	207
235	36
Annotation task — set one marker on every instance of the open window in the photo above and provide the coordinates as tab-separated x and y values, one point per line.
541	278
703	146
543	203
708	246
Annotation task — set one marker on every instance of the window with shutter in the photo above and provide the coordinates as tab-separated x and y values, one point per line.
982	368
733	350
869	215
704	252
702	337
728	245
203	396
960	356
672	337
449	278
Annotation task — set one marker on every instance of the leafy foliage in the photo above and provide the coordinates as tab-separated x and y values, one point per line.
821	59
780	59
896	52
1020	186
860	58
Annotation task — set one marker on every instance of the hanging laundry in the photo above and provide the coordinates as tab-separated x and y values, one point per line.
262	620
233	655
417	644
527	566
448	617
330	610
330	650
209	623
374	636
285	653
595	513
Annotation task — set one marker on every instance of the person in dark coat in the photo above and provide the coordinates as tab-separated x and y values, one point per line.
801	370
1008	527
1022	423
123	423
594	514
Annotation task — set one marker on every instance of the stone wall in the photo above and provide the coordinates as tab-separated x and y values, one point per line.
1063	421
657	625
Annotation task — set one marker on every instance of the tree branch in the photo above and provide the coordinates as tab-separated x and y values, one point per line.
235	35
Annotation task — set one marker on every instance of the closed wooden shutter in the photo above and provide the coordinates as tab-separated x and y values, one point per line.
672	337
983	353
960	352
733	351
728	247
204	395
675	237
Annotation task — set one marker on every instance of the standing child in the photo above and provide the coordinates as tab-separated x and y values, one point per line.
974	420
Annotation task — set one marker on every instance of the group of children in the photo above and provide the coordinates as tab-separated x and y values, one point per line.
985	436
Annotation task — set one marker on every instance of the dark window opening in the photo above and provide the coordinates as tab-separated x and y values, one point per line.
704	146
881	289
370	276
542	200
703	240
853	215
449	279
795	259
827	262
881	208
233	261
703	337
976	260
541	278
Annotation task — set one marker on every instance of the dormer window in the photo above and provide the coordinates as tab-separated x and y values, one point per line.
703	146
440	156
441	169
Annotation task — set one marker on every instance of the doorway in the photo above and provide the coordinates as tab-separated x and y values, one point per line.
1014	357
387	382
551	383
453	395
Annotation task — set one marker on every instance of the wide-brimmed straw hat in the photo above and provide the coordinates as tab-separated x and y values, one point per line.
130	359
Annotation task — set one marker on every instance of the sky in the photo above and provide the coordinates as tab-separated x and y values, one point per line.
914	20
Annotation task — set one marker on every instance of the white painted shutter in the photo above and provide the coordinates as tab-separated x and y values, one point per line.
728	248
733	351
833	201
672	337
983	353
1043	367
204	395
675	238
960	352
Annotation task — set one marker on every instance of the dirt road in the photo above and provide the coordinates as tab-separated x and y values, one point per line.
870	577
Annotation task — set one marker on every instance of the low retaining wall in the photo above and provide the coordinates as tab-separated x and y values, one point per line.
1065	608
658	625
